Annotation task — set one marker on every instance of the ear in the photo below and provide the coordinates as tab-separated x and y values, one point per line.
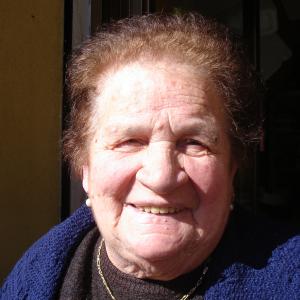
85	178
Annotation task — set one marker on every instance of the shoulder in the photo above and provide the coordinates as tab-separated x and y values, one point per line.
38	273
257	259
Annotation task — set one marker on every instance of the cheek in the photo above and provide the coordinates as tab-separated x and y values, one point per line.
111	175
110	178
213	183
211	178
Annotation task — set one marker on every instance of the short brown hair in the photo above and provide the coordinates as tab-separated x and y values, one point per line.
190	39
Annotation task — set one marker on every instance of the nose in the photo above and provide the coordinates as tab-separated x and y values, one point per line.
161	170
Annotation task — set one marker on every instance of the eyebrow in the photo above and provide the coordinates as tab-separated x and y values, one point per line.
205	127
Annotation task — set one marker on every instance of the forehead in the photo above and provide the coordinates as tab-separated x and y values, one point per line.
144	87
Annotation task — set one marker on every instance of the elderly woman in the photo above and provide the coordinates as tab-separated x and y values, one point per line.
163	111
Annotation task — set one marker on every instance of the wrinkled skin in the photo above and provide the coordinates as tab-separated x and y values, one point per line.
160	140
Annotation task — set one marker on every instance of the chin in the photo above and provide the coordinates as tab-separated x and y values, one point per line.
157	247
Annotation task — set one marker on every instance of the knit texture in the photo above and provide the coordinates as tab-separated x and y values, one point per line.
254	260
37	275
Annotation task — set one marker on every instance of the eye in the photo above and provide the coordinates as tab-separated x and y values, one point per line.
191	146
130	145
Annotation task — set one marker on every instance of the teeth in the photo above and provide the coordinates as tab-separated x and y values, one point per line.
163	210
147	209
172	210
155	210
159	210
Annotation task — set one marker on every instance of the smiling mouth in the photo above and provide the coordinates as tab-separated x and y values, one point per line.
159	210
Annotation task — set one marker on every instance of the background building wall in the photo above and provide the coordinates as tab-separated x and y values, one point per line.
31	76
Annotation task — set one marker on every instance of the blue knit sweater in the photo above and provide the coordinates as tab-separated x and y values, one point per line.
254	260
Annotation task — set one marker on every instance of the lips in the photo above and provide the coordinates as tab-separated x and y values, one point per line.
159	210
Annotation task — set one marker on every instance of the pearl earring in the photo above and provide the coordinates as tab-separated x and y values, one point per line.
88	202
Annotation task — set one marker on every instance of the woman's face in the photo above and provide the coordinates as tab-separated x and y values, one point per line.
160	170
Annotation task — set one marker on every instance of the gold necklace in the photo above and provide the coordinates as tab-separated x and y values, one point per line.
184	297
